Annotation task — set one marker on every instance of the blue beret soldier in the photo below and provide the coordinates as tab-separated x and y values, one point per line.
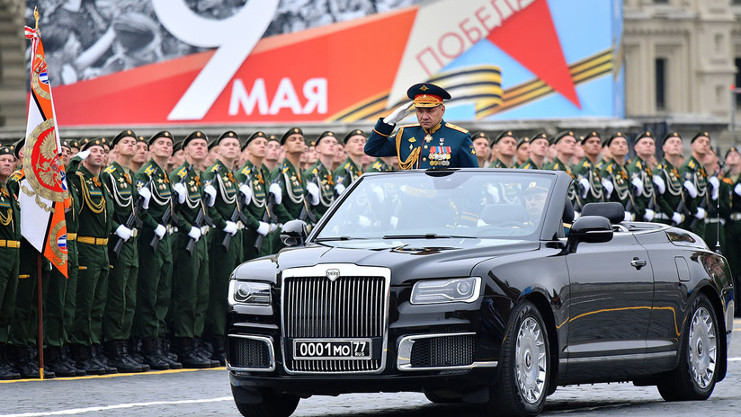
431	143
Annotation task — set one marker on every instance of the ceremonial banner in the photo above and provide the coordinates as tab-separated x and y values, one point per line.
43	191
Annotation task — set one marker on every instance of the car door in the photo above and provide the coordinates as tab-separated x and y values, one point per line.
610	307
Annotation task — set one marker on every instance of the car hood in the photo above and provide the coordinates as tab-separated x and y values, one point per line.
408	260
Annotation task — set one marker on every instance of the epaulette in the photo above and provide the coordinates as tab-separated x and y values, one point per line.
182	173
109	169
454	127
410	125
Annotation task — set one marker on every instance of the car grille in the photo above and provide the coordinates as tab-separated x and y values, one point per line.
350	307
443	351
249	353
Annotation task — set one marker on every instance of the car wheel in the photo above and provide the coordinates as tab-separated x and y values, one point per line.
272	405
694	378
525	367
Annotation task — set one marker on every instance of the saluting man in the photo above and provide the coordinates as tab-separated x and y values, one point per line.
587	174
321	172
641	178
431	143
615	177
695	182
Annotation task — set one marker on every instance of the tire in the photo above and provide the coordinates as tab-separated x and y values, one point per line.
695	376
272	405
525	366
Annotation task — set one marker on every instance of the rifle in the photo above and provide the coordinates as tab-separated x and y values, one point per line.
131	220
268	217
166	217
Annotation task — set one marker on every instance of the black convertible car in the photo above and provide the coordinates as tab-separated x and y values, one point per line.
476	285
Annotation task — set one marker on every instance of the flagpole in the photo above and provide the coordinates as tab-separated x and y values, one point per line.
39	292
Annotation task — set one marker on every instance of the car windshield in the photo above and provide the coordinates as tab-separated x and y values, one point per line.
430	205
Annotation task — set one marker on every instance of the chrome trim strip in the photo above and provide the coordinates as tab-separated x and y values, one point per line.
403	360
271	353
631	357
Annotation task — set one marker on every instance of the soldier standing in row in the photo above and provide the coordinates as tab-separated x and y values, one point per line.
10	236
482	145
587	174
506	144
695	182
564	142
614	175
293	187
522	151
321	172
670	197
733	227
641	178
538	146
351	169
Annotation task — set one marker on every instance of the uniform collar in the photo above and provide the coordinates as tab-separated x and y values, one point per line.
435	128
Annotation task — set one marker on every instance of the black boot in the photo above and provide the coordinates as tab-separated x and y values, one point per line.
6	367
28	365
53	362
204	352
165	354
81	356
151	358
115	354
97	357
130	358
187	354
70	362
135	350
219	354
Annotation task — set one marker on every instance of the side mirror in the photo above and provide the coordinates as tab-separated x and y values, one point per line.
591	229
294	233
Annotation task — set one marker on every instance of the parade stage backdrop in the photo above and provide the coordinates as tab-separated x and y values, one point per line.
176	62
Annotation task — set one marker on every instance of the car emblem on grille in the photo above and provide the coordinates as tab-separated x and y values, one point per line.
333	274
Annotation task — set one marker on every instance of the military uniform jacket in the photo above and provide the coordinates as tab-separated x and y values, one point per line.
187	212
529	164
575	199
585	169
96	205
227	193
672	196
499	164
445	145
646	199
730	199
10	219
153	176
321	176
347	173
379	166
621	193
119	183
258	181
694	172
293	187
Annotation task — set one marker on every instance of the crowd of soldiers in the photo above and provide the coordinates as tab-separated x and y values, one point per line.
157	225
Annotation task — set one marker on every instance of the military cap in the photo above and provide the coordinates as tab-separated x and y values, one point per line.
73	143
325	134
160	134
480	135
196	134
534	187
562	134
539	136
289	132
671	135
592	134
121	135
65	144
521	141
178	146
18	146
106	143
613	137
309	141
427	95
354	132
273	138
214	143
141	139
731	149
506	133
644	134
229	134
7	150
258	134
700	135
89	143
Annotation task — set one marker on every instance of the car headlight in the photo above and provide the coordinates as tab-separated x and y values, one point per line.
249	292
435	291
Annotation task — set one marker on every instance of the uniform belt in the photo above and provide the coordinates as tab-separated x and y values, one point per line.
736	216
10	243
71	236
100	241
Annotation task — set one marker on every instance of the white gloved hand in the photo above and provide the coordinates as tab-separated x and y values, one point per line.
737	189
638	184
160	231
378	191
493	191
246	192
659	182
677	218
179	189
276	192
701	213
608	187
263	228
146	195
231	228
195	233
585	186
716	187
394	221
211	193
339	188
363	221
628	217
399	114
84	154
690	189
124	232
649	215
313	191
273	227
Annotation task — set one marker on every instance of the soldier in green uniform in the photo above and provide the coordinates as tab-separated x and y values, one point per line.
96	216
10	236
538	146
695	182
190	288
732	230
383	164
614	175
293	194
669	183
506	144
155	270
118	180
565	141
522	151
641	178
719	209
587	174
482	145
321	172
351	169
224	208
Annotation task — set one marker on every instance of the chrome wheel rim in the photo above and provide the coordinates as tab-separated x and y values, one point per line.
702	349
530	360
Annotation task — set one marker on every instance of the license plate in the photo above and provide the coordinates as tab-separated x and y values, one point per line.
332	349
